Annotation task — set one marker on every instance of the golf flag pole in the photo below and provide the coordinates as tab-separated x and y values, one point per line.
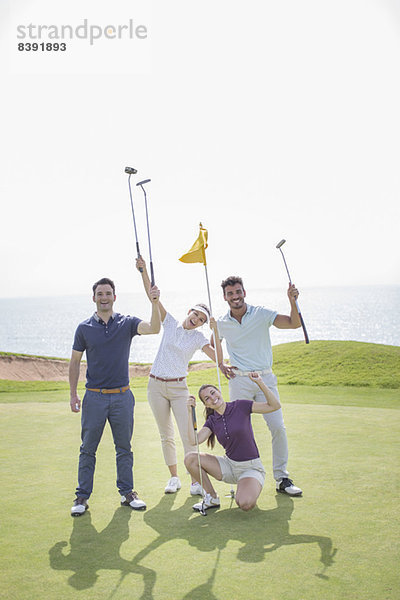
197	253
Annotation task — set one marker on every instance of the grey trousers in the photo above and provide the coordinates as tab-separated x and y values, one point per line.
117	409
242	388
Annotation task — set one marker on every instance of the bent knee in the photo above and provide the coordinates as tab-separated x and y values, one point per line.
245	504
190	459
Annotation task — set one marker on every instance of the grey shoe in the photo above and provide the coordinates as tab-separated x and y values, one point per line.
133	501
79	507
173	485
196	489
208	502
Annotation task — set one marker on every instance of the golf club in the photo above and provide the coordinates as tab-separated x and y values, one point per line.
201	511
279	246
131	171
141	183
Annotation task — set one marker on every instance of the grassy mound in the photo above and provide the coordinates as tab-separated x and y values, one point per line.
320	363
336	363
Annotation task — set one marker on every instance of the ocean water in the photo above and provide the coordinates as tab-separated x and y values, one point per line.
46	326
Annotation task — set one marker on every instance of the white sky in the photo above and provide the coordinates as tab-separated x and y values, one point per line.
264	120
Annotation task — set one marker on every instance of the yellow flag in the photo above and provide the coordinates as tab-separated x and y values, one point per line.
197	252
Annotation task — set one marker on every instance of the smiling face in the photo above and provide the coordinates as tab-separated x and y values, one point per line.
235	295
195	319
211	397
104	298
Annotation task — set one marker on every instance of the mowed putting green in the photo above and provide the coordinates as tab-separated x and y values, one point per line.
339	541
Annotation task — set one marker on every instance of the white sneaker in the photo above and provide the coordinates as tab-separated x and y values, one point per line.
208	502
79	506
286	486
173	485
196	489
133	501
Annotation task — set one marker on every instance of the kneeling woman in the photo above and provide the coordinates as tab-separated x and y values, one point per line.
231	424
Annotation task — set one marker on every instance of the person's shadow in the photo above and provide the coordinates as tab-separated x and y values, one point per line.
90	551
260	531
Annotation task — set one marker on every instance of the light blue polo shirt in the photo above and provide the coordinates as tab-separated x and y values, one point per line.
248	342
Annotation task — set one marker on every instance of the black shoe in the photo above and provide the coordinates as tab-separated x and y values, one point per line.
133	501
285	486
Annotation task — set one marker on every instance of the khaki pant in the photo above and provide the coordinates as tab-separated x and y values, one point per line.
163	397
242	387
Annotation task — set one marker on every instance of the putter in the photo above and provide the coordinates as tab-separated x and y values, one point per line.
131	171
279	246
202	510
141	183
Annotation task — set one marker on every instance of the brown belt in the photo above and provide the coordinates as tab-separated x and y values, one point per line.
106	391
162	378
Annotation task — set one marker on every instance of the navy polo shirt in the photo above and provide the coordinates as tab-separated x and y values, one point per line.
107	349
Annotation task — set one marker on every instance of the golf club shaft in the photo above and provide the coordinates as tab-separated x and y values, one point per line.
198	458
148	236
286	267
134	220
297	304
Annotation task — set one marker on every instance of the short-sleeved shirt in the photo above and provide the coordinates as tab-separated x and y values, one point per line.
248	343
107	347
176	349
233	430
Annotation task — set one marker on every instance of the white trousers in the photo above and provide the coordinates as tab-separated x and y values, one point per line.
242	388
165	398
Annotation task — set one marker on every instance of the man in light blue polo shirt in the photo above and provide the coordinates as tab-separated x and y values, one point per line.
245	329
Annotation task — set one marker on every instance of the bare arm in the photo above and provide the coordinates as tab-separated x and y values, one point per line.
73	376
292	321
140	264
272	403
210	349
204	432
215	341
154	325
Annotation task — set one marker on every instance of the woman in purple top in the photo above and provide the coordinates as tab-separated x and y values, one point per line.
230	423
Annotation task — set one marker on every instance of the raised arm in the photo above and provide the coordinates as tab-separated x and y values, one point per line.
141	264
272	403
292	321
154	325
73	376
204	432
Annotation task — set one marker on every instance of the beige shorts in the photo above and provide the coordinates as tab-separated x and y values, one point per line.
233	471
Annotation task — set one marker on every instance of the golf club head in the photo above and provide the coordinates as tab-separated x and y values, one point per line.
203	512
130	170
143	182
279	244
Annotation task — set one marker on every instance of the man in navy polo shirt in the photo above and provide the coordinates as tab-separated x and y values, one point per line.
106	338
246	331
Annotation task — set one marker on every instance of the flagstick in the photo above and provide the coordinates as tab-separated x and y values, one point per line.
215	343
232	492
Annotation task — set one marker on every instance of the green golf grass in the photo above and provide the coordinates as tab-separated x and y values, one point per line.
339	541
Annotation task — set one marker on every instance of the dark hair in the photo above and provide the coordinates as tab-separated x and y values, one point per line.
103	281
232	280
208	412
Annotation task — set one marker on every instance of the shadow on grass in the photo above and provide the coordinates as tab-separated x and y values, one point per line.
91	551
260	532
